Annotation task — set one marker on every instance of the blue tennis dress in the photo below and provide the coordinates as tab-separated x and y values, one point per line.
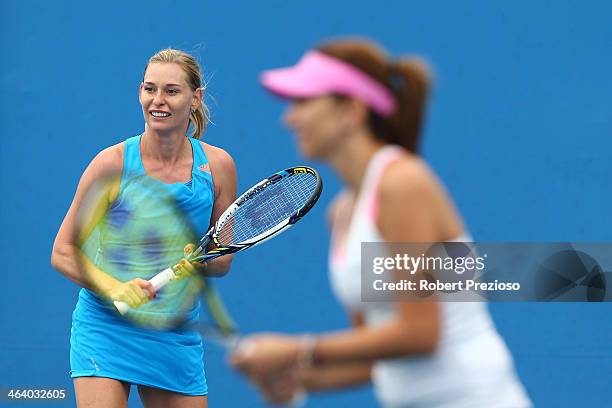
103	344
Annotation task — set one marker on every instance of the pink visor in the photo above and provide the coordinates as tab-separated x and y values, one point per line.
318	74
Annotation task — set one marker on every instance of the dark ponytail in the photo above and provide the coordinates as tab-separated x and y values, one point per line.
409	81
407	78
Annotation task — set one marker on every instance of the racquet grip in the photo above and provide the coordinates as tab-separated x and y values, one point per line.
158	281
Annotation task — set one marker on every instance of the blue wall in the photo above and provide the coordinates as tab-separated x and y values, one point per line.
519	130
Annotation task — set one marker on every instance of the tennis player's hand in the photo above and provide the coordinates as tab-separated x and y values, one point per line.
265	355
185	268
135	292
284	388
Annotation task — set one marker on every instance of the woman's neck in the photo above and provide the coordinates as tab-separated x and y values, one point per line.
351	160
167	148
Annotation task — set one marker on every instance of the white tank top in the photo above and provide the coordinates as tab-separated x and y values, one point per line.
471	366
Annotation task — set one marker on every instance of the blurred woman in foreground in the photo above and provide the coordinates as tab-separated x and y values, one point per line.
359	111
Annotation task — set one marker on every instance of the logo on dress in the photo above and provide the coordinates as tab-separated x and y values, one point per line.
205	168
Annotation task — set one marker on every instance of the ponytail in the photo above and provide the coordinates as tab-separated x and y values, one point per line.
199	118
407	78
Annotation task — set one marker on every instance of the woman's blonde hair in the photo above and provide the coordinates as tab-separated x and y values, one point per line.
199	117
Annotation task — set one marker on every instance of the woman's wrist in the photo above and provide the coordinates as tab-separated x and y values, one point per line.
306	355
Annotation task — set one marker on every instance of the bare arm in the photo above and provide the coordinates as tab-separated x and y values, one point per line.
406	202
417	211
282	388
408	195
223	171
66	256
340	375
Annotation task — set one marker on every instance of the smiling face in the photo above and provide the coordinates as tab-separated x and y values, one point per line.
320	125
166	98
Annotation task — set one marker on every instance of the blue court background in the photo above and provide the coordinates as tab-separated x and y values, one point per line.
519	131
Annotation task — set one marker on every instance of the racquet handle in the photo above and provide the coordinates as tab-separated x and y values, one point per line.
158	281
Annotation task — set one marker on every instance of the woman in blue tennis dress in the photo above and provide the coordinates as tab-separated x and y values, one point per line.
109	353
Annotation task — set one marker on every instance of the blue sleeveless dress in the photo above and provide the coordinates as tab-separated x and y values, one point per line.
103	344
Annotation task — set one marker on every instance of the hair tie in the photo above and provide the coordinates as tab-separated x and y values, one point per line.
397	82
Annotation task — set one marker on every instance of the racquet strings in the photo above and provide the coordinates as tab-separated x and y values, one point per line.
140	233
267	208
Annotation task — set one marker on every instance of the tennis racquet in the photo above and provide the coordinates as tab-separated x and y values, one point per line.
262	212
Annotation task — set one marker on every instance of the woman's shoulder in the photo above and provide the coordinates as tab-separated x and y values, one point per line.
222	168
409	186
106	166
407	176
110	159
217	157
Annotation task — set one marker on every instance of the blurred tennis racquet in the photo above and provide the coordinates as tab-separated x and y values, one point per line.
262	212
129	226
221	329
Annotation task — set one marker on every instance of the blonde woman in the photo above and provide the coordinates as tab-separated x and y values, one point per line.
108	353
